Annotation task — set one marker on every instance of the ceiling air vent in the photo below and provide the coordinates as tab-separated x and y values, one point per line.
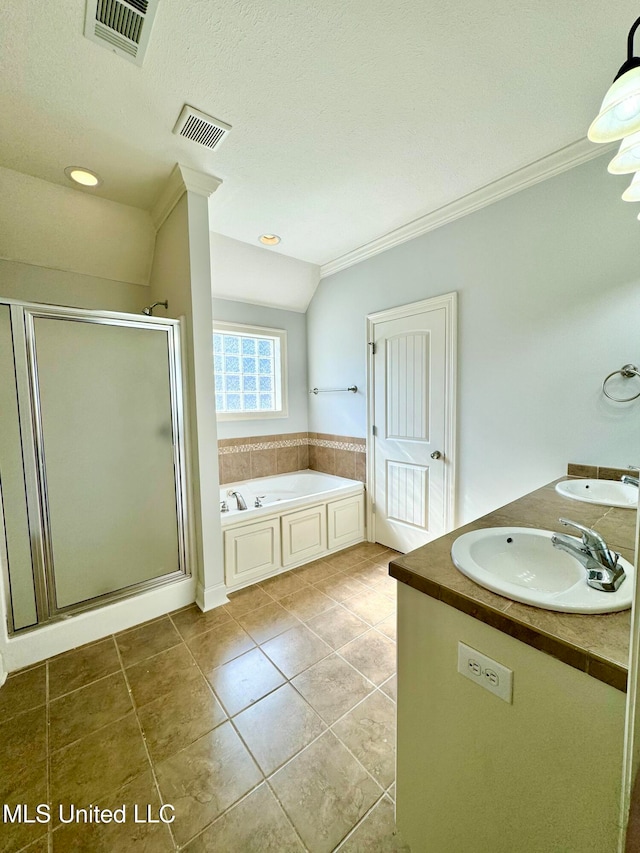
122	26
201	128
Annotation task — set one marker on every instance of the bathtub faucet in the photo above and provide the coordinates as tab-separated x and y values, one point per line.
239	499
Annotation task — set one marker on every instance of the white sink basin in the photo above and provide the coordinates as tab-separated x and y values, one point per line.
603	492
522	564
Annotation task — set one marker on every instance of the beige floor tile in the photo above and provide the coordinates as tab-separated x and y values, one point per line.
332	687
389	627
147	640
307	602
27	785
245	680
337	626
345	560
177	719
370	573
220	645
98	764
324	791
390	688
372	606
277	727
205	779
284	584
369	731
255	825
376	832
316	571
39	846
267	622
192	621
246	600
295	650
23	691
162	674
81	666
373	655
392	792
369	550
128	837
387	586
341	586
23	740
85	710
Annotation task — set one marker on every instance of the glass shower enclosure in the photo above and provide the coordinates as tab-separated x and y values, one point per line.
92	465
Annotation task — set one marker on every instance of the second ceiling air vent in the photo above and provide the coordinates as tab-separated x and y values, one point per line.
122	26
201	128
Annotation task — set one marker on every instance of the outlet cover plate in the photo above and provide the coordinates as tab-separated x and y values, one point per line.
486	672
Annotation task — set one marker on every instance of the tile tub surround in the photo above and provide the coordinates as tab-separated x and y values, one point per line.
188	709
266	455
596	644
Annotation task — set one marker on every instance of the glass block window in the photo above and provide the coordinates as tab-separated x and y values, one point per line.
248	364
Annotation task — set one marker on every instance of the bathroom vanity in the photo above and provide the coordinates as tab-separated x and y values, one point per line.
538	774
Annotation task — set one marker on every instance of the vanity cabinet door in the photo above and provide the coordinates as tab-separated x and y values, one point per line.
251	551
345	521
304	534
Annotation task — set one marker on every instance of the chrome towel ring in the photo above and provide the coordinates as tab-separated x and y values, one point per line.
627	371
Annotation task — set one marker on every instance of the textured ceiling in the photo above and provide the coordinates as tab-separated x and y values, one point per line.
349	119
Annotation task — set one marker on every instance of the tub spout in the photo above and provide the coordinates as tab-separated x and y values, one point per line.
239	499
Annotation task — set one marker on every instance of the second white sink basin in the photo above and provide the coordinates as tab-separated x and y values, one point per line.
522	564
603	492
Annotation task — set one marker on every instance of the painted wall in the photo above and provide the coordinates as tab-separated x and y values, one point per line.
549	292
60	228
295	326
181	274
260	275
58	287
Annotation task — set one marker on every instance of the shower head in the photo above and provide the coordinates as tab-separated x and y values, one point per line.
149	309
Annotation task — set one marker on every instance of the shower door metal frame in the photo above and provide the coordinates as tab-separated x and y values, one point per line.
23	315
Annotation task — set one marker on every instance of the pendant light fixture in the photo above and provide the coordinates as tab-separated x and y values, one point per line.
627	159
619	114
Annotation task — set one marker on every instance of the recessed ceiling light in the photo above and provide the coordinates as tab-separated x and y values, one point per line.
85	177
269	239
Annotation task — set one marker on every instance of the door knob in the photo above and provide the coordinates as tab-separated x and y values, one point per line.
436	454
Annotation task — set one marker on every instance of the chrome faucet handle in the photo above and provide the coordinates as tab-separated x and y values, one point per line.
594	543
259	499
628	480
224	507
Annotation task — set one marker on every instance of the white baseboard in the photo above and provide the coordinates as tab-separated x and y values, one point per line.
44	642
211	597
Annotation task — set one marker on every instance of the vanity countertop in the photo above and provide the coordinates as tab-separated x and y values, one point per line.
597	644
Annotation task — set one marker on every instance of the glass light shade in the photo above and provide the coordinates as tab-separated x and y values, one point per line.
619	114
632	192
627	159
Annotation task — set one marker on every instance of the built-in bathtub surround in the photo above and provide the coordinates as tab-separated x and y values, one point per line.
599	472
268	455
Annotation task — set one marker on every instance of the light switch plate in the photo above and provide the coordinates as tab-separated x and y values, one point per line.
485	672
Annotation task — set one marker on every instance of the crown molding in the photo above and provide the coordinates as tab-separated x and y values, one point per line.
181	180
547	167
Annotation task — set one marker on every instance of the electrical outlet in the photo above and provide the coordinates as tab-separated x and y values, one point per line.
488	673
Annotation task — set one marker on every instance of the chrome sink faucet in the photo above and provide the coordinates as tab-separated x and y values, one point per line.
629	479
239	499
601	564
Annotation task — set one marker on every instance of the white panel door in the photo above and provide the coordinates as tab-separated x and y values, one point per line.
409	417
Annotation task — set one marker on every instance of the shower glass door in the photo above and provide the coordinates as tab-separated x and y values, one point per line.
106	410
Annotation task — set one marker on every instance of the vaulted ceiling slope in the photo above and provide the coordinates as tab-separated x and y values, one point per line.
348	119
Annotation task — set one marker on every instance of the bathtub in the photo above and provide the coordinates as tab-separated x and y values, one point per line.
303	516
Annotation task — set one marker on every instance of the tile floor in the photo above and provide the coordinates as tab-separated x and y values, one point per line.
268	723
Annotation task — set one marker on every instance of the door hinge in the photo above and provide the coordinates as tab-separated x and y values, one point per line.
374	430
373	507
372	344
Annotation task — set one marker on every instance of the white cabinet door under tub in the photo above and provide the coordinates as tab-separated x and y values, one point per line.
304	534
251	552
345	522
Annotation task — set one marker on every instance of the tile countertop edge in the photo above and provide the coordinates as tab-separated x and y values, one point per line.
572	653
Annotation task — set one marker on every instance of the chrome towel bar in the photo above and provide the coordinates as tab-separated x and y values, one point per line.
352	388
